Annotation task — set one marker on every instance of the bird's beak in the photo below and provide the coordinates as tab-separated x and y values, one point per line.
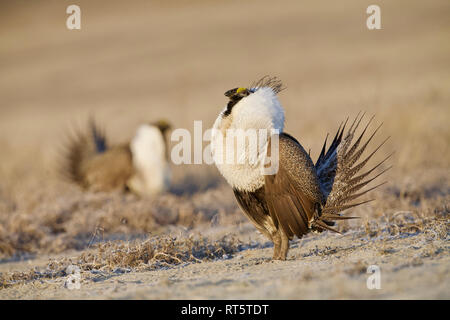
231	92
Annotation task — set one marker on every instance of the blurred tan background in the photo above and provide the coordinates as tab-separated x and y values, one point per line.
141	60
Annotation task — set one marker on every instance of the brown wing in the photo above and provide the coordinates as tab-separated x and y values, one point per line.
293	193
255	208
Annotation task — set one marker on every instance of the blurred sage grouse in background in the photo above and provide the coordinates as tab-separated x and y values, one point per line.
140	166
300	196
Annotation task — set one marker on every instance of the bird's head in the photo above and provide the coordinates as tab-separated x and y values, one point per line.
255	103
163	125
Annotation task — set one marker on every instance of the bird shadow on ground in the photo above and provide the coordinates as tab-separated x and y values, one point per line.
195	181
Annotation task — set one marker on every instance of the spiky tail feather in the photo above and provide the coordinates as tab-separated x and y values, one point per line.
80	147
338	173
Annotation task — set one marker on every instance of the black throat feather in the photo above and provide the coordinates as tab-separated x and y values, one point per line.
231	104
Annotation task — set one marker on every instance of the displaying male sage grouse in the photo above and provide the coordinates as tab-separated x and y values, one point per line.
300	196
140	166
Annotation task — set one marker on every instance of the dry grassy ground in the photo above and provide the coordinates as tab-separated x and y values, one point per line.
147	60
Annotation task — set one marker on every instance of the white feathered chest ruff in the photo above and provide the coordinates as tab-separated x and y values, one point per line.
239	138
152	172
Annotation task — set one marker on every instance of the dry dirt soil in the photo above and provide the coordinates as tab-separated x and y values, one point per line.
141	61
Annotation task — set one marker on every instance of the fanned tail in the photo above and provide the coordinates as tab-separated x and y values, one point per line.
80	147
339	173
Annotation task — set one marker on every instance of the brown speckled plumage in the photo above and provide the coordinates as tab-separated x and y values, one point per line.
303	197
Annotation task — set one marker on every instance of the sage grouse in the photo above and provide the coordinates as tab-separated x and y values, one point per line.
300	196
140	166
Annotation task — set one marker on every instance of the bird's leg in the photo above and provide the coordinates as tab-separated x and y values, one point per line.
284	245
276	238
281	245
